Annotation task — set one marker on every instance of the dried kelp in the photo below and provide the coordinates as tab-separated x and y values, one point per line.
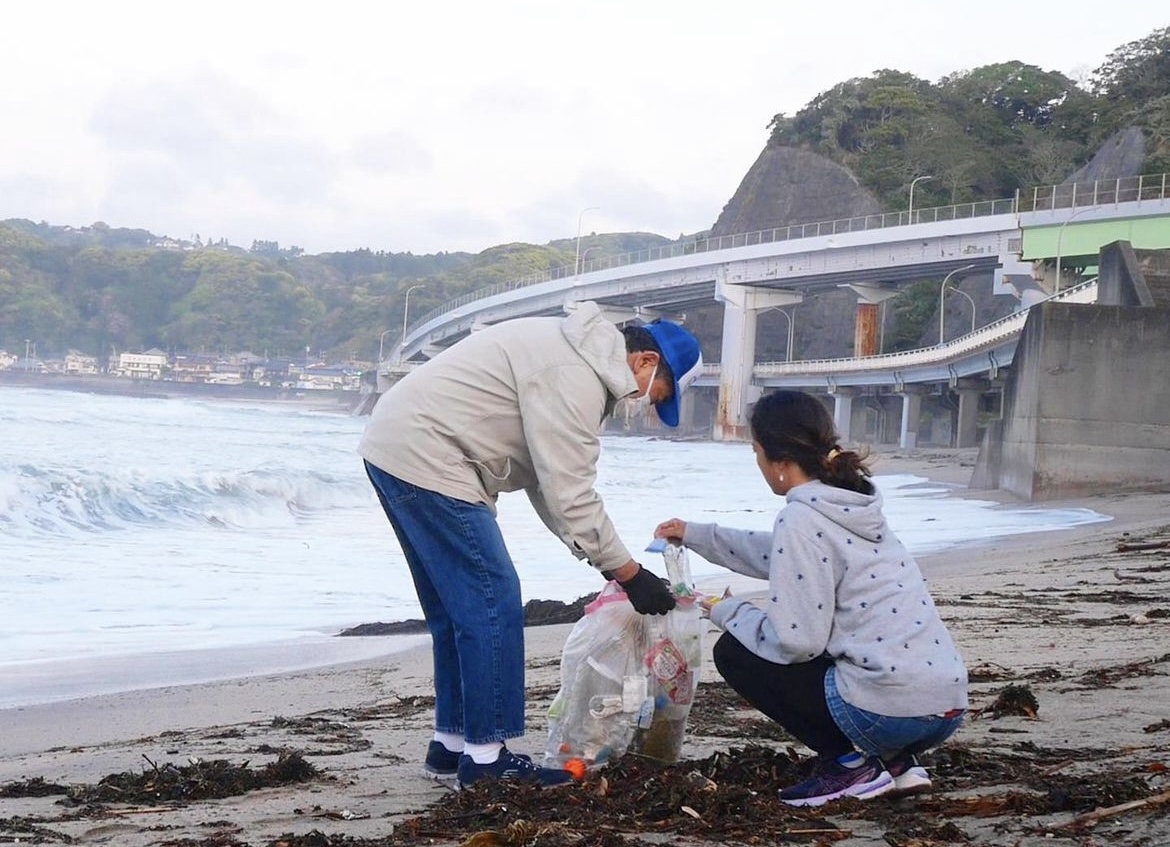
36	787
199	780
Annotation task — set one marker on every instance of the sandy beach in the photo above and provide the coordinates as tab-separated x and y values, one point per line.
1078	619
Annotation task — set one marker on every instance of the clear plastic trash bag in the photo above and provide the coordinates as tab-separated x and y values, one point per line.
628	680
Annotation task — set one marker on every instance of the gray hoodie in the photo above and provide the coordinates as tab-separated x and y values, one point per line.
840	584
518	405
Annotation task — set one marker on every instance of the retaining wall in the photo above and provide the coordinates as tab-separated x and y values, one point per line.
1086	405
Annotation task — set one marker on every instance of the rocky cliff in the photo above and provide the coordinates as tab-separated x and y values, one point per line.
791	186
787	186
1123	154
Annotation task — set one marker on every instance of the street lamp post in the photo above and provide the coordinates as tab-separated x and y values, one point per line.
577	260
970	300
788	351
585	256
942	293
910	208
381	342
27	342
405	314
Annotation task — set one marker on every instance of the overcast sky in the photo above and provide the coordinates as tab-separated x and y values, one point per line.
457	124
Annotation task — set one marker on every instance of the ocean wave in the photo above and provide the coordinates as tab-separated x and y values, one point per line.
38	501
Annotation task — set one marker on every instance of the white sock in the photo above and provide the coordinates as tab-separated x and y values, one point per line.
483	754
452	741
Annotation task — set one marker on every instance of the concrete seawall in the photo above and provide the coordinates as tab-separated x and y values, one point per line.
1087	403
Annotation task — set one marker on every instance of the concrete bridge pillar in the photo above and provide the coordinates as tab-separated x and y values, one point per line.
686	411
969	391
742	305
843	411
868	323
911	412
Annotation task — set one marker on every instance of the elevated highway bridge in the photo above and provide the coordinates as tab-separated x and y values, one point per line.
1033	246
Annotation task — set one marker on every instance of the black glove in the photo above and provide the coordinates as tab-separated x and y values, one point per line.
649	594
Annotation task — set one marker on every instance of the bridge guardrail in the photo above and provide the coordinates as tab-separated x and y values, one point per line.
1104	192
985	337
1101	192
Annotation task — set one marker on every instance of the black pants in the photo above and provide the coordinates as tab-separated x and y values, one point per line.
791	695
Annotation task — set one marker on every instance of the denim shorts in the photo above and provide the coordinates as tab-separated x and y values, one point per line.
879	735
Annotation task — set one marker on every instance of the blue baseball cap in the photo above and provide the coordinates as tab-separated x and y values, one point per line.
682	354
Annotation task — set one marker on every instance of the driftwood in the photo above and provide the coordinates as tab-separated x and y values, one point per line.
1097	815
1127	547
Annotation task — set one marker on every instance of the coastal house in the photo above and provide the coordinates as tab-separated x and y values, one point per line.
148	365
325	378
228	372
273	372
77	363
194	367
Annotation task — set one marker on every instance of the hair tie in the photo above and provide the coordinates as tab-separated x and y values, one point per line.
833	454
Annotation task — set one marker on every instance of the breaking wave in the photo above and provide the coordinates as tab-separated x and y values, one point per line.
38	502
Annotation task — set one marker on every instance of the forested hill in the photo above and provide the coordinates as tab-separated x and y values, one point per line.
983	133
978	134
98	288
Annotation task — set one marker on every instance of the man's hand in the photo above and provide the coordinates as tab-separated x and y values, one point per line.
648	593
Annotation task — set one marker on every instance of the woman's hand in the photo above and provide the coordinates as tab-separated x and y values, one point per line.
672	530
707	601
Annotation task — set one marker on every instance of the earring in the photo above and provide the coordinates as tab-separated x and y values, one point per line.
781	478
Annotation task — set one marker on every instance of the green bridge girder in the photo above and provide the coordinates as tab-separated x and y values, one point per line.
1083	239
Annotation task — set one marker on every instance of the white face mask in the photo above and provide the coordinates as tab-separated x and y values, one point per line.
636	405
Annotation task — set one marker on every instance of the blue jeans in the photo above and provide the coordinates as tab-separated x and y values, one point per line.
880	735
470	597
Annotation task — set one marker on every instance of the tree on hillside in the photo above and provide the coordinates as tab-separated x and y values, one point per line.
1135	72
1014	92
1133	87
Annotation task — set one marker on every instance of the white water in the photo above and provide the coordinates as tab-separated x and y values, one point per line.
135	531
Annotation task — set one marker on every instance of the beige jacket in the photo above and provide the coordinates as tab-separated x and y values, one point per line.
518	405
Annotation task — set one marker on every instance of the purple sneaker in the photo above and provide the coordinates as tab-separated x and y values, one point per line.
909	776
831	781
509	766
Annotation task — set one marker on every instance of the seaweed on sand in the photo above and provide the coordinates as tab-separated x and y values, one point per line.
199	780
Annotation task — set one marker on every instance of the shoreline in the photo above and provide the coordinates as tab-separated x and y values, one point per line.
46	682
29	685
323	400
1066	614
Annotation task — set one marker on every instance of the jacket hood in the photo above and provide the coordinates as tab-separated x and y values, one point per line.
602	345
860	514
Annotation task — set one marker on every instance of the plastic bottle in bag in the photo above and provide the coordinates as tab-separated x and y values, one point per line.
604	692
673	657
